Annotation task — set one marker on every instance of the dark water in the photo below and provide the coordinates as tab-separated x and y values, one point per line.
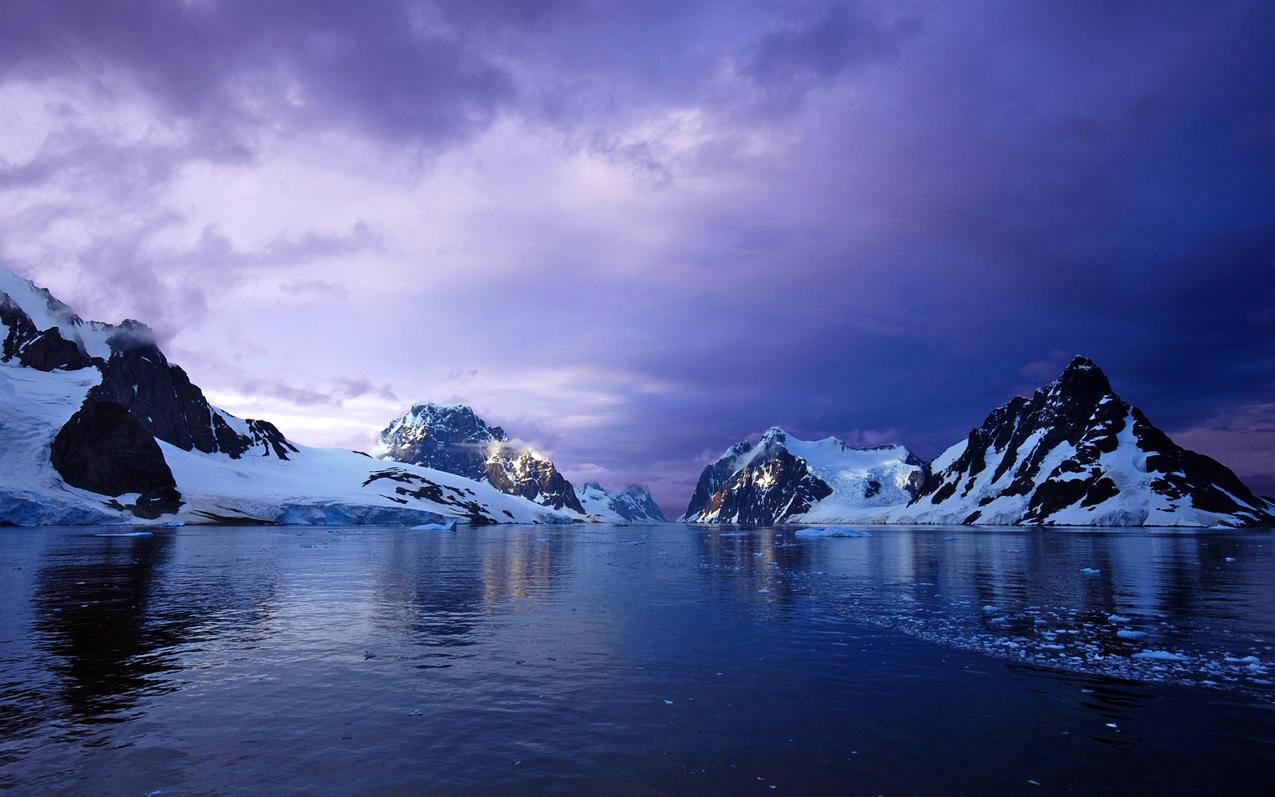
634	660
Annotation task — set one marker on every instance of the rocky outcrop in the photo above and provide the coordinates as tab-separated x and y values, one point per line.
526	473
105	450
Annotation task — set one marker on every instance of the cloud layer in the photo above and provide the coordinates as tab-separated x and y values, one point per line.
636	233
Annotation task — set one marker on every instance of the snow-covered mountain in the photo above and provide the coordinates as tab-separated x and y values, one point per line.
1074	453
452	438
446	437
631	505
99	427
783	479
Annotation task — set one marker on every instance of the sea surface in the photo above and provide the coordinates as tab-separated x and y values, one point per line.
636	660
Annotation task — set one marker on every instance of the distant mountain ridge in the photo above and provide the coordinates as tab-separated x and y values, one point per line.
1073	453
633	504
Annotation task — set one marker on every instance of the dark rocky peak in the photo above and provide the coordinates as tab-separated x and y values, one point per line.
1079	403
164	400
446	437
1081	384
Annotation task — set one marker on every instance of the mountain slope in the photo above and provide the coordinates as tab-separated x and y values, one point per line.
631	505
452	438
99	427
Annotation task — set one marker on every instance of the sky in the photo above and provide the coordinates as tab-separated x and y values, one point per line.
634	233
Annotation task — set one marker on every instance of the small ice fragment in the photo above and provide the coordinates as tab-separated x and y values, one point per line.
1031	782
1118	618
764	591
1128	633
1090	571
1111	725
949	539
1230	559
1160	655
989	608
668	702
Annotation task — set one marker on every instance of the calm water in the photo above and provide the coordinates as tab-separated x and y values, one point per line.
614	660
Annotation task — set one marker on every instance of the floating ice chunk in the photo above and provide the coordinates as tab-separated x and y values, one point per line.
1160	655
1230	559
1090	571
449	525
1112	725
1118	618
832	531
989	609
1128	633
668	702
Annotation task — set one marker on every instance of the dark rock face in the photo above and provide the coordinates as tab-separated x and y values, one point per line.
104	449
533	478
1049	449
714	476
42	350
449	438
769	491
163	399
267	436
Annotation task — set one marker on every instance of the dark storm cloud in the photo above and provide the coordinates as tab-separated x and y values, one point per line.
842	38
388	68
